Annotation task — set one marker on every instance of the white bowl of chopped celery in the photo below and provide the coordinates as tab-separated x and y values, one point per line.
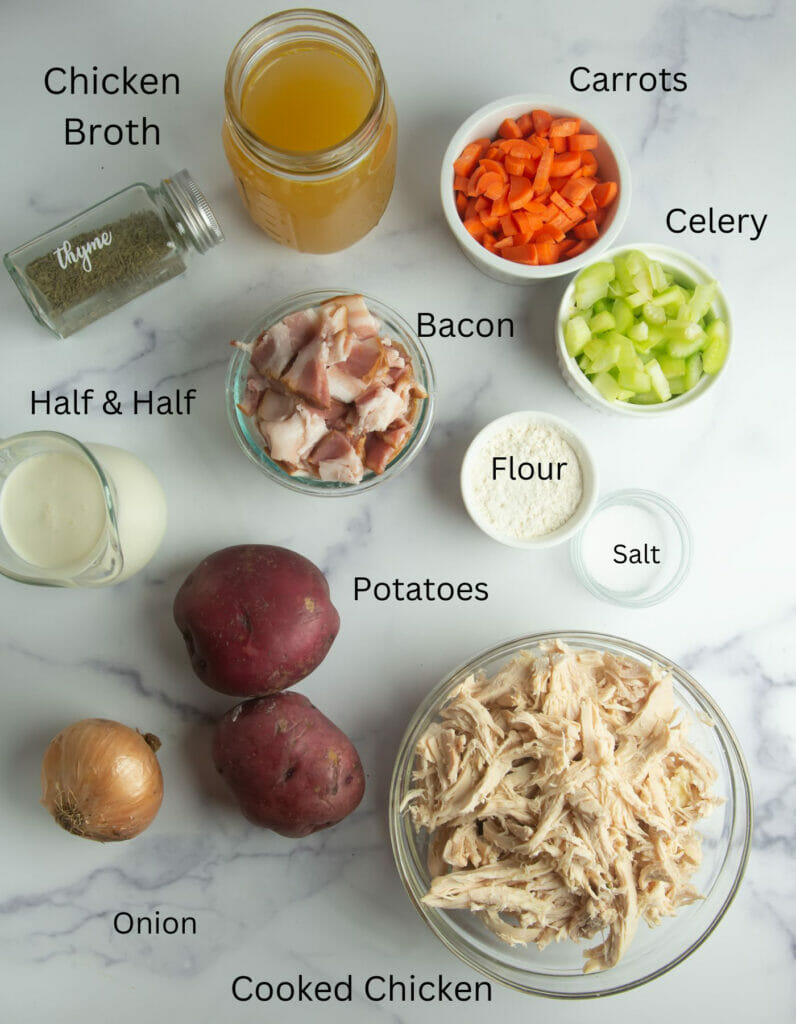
644	330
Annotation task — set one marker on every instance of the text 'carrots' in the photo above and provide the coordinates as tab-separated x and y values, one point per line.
532	194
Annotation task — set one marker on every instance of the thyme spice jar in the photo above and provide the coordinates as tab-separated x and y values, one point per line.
124	246
310	130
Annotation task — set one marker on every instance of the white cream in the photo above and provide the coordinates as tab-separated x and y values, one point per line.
54	515
140	506
52	511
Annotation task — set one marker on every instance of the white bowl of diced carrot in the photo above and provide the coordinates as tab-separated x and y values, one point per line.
533	190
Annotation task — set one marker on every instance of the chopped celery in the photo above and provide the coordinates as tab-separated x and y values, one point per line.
635	380
693	370
643	333
660	385
623	315
609	389
672	367
653	314
602	322
639	331
657	276
714	355
606	358
576	334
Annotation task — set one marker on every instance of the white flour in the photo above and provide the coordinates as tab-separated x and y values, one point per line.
524	509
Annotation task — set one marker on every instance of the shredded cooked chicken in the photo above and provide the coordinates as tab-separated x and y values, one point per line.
561	797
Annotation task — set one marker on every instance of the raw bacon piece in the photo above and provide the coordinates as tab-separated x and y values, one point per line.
291	439
344	386
377	408
255	386
275	347
336	459
378	452
308	376
361	322
397	433
365	359
275	406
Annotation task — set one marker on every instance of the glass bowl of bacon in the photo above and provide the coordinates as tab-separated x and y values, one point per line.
330	392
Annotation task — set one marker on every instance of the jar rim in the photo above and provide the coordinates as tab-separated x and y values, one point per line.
292	26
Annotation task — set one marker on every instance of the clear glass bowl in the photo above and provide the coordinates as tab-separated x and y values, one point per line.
557	970
245	430
677	550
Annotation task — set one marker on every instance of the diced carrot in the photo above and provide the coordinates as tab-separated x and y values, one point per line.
521	253
495	167
507	224
582	141
541	122
468	159
565	164
522	149
588	203
473	181
520	189
563	126
543	170
605	193
562	204
531	194
509	129
475	227
495	188
501	206
589	163
576	189
545	252
588	229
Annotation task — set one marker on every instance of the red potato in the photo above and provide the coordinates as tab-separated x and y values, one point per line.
289	767
255	619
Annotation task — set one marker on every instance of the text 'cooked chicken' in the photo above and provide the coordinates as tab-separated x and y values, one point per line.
561	797
331	397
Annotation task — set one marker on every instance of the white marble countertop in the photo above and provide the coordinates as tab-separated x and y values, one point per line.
332	904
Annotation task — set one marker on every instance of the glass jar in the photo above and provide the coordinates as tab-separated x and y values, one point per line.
114	251
316	200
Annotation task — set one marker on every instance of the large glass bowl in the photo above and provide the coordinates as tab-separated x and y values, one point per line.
557	970
245	429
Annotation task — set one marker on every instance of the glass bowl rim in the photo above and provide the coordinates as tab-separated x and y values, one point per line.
390	319
724	732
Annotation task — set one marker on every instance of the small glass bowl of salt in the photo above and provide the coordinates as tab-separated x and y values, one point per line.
635	550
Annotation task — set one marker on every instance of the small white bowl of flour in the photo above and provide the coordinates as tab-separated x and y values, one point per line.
528	480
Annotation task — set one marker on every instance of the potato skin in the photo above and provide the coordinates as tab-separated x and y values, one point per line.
290	768
255	618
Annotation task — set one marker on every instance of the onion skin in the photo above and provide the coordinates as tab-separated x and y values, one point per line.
101	780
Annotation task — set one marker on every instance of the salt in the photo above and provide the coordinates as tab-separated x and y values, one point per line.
631	526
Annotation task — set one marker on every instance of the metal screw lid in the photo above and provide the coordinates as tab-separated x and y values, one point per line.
194	209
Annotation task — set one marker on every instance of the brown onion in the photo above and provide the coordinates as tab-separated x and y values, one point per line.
101	780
